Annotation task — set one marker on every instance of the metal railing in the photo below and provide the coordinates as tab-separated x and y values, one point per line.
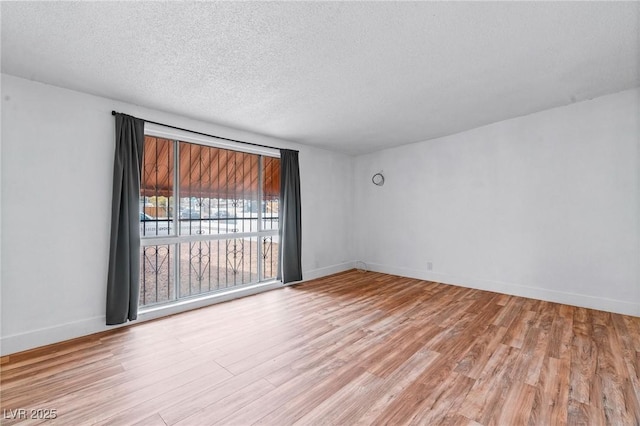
205	265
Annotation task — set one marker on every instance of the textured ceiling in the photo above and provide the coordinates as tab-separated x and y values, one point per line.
353	77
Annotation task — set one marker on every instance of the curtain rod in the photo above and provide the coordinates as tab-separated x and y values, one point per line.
204	134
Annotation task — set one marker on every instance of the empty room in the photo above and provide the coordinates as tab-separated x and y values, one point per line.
320	213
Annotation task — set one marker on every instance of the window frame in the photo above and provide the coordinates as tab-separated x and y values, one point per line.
177	238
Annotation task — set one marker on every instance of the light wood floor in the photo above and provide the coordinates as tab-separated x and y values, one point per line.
353	348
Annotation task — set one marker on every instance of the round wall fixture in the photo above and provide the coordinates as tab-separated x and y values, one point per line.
378	179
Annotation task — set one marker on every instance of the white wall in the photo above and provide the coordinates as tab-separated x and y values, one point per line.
544	206
57	164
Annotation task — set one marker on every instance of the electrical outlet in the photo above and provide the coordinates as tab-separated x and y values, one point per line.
429	266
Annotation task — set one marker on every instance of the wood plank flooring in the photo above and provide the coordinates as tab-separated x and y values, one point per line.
350	349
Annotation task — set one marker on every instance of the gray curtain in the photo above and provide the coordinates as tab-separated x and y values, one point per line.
290	254
124	254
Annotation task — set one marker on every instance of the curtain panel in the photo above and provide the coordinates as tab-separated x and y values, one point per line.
124	253
290	233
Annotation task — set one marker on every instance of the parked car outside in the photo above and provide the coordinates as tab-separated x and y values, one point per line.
191	223
190	214
221	214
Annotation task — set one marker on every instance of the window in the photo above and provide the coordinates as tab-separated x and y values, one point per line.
208	219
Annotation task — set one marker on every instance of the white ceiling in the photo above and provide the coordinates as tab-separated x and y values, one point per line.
353	77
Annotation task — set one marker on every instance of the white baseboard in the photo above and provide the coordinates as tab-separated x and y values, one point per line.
44	336
328	270
574	299
58	333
